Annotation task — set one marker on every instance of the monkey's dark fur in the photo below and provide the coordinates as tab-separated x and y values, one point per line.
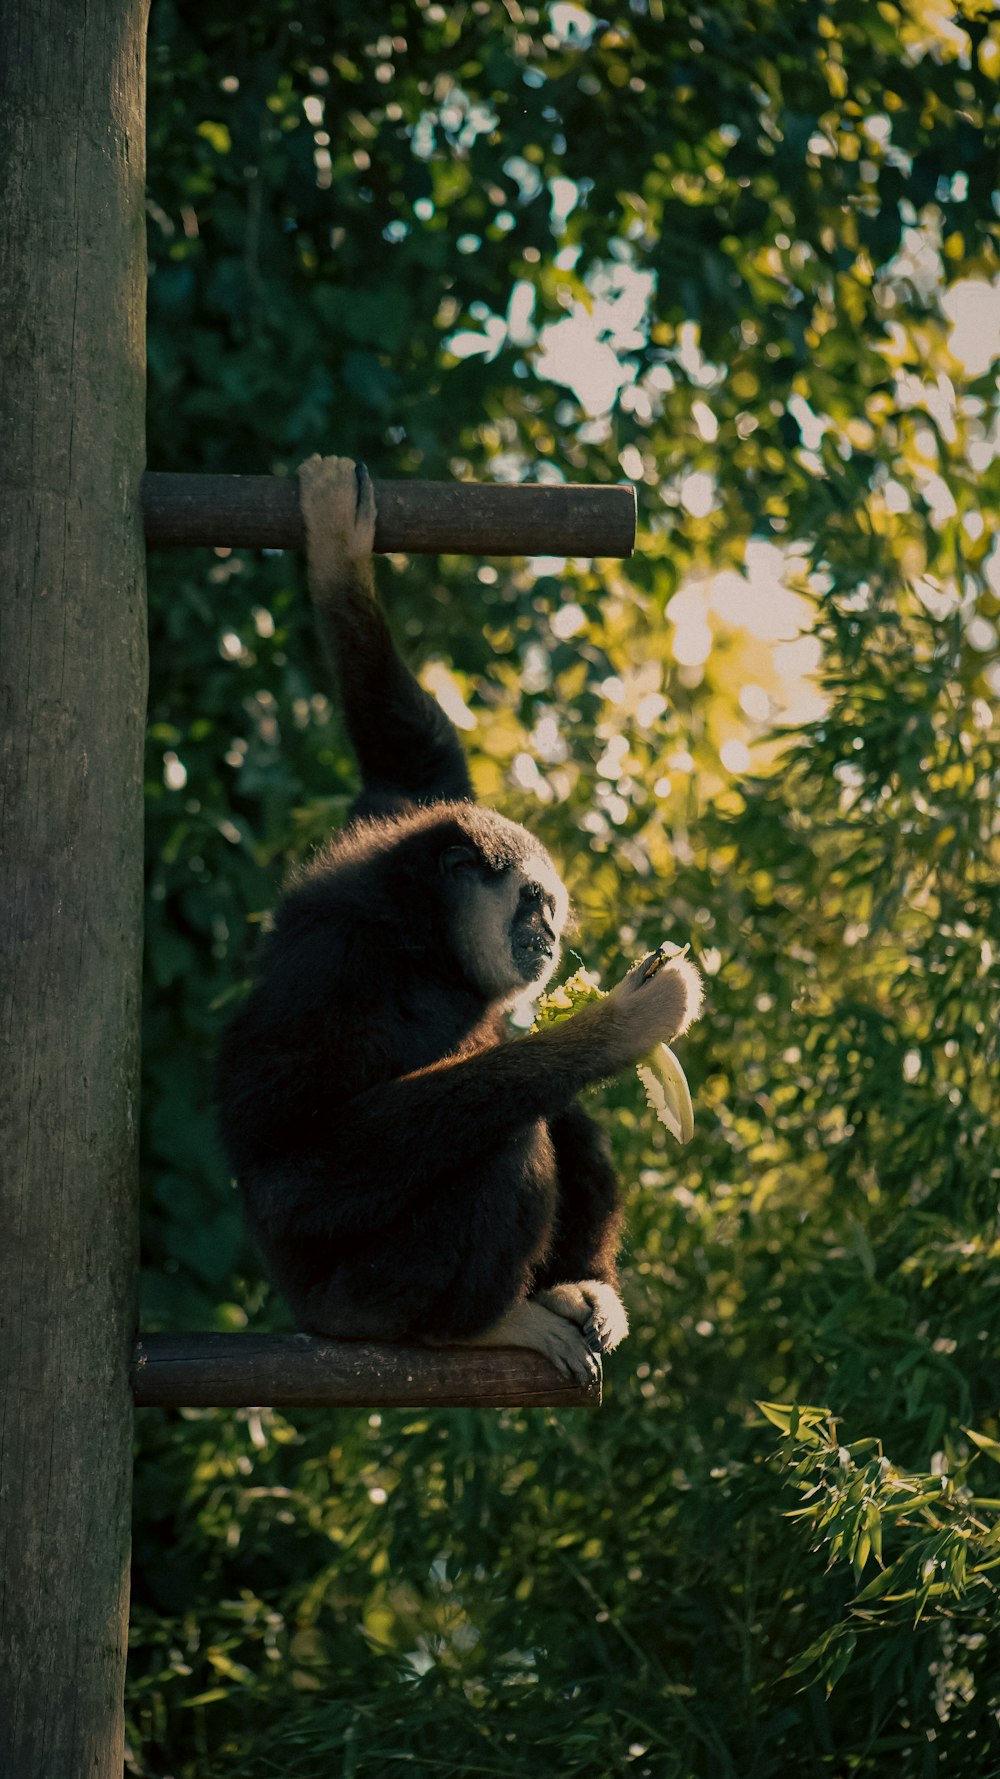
408	1172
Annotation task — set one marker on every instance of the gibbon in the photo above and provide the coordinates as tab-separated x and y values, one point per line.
410	1171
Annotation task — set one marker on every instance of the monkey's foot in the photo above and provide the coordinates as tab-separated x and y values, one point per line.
594	1306
533	1325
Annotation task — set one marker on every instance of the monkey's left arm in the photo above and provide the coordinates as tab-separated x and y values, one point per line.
406	747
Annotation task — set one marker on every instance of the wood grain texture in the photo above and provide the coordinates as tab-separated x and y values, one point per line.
420	518
304	1371
72	708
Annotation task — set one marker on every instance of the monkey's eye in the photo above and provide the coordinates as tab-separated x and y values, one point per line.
459	858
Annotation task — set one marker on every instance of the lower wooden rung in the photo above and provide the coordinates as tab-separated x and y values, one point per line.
306	1371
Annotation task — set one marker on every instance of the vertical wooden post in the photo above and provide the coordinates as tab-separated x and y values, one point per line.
72	700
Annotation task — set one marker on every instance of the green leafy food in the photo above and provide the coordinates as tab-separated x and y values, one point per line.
667	1091
556	1004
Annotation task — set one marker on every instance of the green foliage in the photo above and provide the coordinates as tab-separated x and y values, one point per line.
773	734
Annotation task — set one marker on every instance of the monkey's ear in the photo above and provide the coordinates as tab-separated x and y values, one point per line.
458	858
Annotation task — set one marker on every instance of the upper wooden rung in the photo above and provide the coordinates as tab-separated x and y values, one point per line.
419	518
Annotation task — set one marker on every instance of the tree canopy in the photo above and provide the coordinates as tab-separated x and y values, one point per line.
745	256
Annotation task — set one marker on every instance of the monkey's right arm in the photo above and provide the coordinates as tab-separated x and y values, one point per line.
402	1134
406	747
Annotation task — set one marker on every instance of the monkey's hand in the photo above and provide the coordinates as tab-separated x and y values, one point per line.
654	1003
338	505
594	1306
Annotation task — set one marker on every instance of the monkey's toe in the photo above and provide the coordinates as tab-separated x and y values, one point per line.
594	1306
571	1353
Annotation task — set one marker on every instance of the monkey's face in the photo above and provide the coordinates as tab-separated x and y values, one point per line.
507	908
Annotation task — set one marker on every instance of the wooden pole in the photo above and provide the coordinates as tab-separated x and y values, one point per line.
421	518
72	705
301	1371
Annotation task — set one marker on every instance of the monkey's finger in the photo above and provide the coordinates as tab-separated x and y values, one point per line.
651	964
364	509
665	953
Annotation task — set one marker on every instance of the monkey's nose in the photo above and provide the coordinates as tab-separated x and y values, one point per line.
541	936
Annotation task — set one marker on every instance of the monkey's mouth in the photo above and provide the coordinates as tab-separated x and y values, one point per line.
533	946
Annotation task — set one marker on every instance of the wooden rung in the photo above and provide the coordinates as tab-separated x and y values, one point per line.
306	1371
420	518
